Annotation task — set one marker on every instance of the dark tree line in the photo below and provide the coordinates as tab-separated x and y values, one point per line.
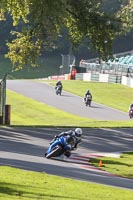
47	25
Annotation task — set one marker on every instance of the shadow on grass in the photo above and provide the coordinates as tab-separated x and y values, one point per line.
29	192
95	161
128	153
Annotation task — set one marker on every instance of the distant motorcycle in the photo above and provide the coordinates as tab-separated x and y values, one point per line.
131	113
58	149
88	100
58	89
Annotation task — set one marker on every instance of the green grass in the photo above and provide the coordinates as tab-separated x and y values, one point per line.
27	112
122	166
114	95
18	184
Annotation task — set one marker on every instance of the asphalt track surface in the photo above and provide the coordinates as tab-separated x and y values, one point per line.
24	147
67	102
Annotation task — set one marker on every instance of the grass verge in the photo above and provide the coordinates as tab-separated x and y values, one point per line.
28	112
114	95
122	166
25	111
20	184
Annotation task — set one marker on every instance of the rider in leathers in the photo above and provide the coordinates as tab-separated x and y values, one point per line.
59	83
130	107
87	93
73	135
73	138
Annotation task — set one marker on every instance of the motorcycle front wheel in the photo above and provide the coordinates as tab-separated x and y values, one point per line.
57	151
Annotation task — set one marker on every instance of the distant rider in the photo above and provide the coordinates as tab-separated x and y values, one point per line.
73	138
59	83
87	93
130	107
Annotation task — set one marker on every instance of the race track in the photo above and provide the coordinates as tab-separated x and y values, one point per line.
24	147
67	102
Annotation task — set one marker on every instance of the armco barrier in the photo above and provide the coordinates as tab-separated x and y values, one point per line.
124	80
131	83
79	76
95	77
103	77
60	77
87	76
118	78
128	81
114	78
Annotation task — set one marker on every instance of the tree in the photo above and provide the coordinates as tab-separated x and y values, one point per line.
43	21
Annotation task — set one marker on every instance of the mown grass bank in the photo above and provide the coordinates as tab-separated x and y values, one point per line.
18	184
114	95
28	112
122	166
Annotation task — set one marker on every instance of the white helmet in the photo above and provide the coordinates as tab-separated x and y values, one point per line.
78	132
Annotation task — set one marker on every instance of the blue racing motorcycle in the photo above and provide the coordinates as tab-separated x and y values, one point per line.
58	147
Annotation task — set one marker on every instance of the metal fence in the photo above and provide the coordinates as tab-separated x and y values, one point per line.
108	68
67	62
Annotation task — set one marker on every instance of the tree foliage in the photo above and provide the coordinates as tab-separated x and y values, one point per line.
43	21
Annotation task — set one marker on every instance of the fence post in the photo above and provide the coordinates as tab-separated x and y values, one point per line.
7	114
3	99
